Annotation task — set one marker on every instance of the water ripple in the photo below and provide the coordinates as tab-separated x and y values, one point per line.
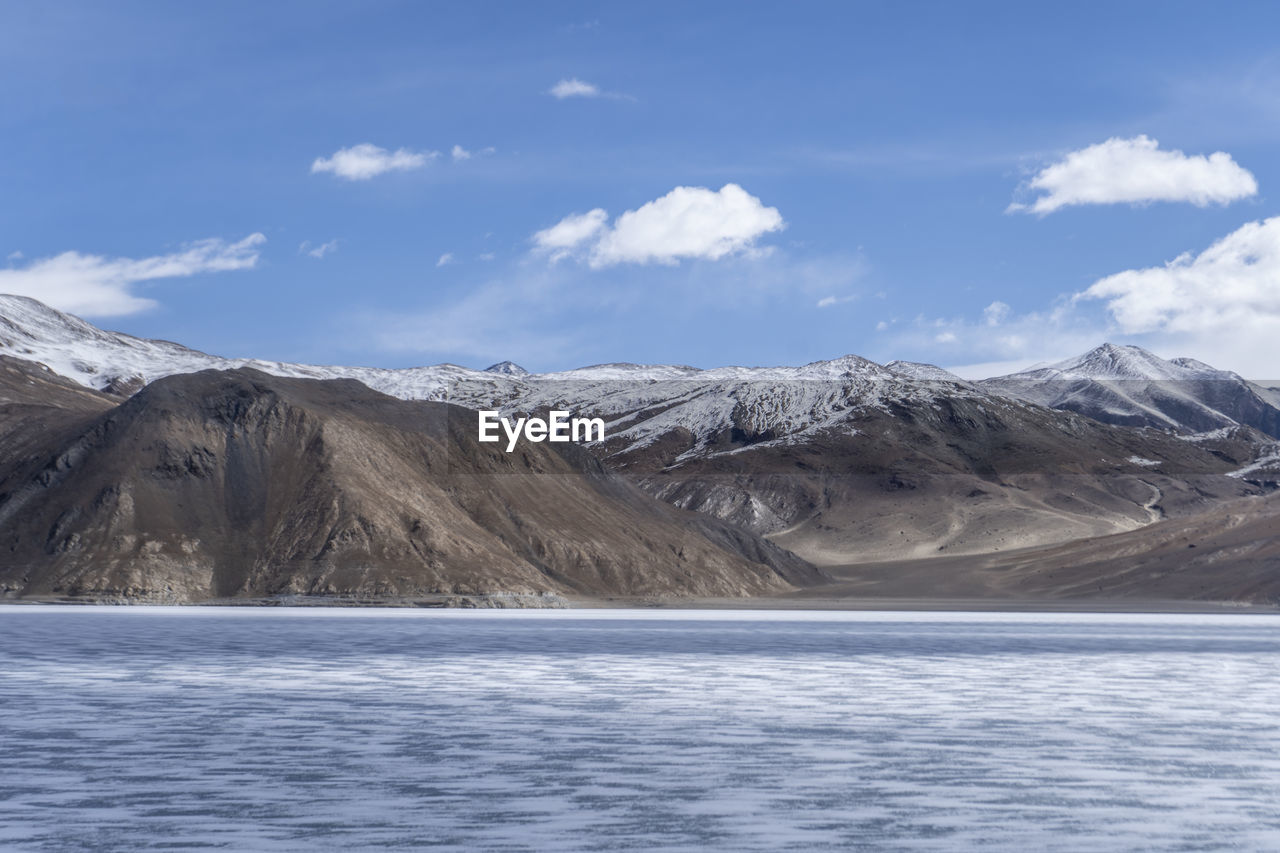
157	728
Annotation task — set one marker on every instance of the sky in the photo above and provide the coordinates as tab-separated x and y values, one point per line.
982	186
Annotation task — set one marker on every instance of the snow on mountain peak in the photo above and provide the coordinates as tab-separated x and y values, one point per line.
1120	362
507	368
1115	361
919	370
1131	386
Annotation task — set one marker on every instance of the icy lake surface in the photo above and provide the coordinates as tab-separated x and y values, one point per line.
271	729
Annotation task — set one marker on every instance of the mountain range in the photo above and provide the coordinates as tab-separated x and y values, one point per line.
143	469
226	484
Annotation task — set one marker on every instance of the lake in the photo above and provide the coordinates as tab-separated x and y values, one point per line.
134	728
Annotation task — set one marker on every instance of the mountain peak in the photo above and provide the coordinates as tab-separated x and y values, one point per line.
920	370
26	318
507	368
1124	361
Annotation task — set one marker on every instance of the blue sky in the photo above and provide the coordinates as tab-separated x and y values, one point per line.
877	147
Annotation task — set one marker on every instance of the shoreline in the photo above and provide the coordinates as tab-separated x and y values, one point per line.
788	603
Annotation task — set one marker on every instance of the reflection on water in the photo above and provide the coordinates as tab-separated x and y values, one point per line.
137	728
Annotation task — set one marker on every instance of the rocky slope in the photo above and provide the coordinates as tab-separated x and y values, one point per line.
235	484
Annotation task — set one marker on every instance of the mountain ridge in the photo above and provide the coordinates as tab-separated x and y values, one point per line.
234	484
1129	386
847	459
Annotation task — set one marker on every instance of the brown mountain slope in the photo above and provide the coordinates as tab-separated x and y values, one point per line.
36	404
225	484
953	473
1230	553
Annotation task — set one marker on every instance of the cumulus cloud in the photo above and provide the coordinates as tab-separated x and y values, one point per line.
1221	306
575	230
686	223
460	153
317	251
98	286
572	87
1136	171
364	161
1229	286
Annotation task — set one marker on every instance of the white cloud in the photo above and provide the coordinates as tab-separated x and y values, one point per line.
572	87
14	256
460	153
445	259
1136	171
1227	288
104	287
1221	306
828	301
686	223
571	232
364	161
486	256
305	248
995	313
881	326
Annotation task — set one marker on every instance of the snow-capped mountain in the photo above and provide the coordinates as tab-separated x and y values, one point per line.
840	460
507	368
719	410
119	363
1130	386
642	402
1123	385
917	370
1119	362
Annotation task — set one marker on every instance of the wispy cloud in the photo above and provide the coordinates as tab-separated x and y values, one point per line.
572	87
306	248
98	286
364	161
459	154
573	232
686	223
519	319
1136	171
445	260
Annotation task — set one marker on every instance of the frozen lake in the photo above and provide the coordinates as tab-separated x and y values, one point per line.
272	729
